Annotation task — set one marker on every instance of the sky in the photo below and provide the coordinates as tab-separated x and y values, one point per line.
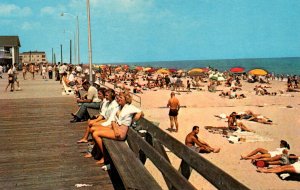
156	30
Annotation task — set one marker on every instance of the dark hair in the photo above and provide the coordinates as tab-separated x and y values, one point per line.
293	160
86	82
285	144
102	90
195	127
233	113
112	93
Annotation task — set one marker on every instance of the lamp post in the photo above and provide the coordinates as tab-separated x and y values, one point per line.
77	34
89	38
72	34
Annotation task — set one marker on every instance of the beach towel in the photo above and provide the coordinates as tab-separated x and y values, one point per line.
237	136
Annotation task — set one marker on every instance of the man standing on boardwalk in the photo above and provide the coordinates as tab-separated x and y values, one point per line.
174	105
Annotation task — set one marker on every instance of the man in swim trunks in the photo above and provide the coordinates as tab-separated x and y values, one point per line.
202	147
174	105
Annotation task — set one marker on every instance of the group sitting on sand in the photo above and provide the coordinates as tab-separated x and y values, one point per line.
248	115
287	163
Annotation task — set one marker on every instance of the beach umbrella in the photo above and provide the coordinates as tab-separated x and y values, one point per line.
151	70
180	71
102	66
258	72
118	69
163	71
195	72
172	70
147	69
217	78
237	70
138	68
205	70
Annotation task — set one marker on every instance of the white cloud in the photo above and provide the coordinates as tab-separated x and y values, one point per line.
122	6
48	10
12	10
29	25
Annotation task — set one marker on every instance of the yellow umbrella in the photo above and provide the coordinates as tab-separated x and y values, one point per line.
147	68
163	71
259	72
195	72
118	69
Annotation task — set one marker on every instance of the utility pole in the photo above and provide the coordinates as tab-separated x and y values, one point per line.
70	51
52	56
61	55
89	39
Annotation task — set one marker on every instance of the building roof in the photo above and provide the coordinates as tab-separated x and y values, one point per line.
10	41
32	52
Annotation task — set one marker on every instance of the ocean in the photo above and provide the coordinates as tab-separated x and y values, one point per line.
289	65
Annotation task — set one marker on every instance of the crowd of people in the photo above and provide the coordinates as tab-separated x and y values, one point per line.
117	113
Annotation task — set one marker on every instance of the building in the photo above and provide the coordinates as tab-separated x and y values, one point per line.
9	50
33	57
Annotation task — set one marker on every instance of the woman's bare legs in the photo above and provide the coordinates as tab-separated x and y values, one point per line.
106	132
258	150
89	129
279	169
243	127
85	137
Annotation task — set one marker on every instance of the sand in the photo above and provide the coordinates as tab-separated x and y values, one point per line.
201	106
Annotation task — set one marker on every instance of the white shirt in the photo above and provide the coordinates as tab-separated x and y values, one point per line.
10	72
126	114
71	77
78	69
108	111
276	152
92	94
49	68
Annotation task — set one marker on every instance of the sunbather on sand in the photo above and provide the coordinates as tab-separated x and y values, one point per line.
233	124
263	153
293	168
192	139
261	119
283	159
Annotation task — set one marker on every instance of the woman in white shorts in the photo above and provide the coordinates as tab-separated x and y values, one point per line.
263	153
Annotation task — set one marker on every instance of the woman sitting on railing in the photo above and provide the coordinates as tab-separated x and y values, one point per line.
119	126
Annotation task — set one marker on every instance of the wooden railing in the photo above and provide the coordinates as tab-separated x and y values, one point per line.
151	146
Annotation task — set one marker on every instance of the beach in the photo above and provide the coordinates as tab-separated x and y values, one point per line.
199	107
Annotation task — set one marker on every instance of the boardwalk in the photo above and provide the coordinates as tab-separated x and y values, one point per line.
38	145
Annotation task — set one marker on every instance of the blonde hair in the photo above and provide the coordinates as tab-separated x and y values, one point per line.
127	96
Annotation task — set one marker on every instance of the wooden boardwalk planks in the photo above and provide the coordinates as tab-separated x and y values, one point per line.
38	147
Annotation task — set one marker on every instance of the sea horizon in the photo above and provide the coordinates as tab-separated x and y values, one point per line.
280	65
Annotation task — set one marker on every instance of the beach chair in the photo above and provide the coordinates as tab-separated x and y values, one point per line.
67	90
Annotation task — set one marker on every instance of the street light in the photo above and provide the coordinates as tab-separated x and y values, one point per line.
72	34
89	38
77	34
